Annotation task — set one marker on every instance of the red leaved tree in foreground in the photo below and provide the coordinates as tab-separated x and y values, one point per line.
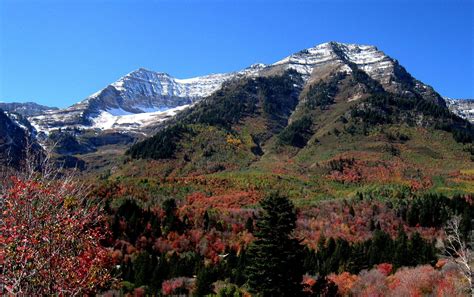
49	237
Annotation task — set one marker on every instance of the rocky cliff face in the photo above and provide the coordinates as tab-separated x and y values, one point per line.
462	107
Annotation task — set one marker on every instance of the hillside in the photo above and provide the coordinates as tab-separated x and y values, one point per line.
140	103
341	127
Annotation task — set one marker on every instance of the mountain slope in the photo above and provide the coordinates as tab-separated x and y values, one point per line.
322	60
230	125
342	125
15	139
341	88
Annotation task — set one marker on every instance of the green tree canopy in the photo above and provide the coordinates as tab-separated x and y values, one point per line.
275	266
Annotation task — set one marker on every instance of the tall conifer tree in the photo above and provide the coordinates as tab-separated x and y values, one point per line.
275	259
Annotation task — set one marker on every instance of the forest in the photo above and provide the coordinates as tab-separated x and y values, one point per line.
230	245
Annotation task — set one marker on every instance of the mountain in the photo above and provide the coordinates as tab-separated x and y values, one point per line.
373	160
334	113
462	107
124	110
320	61
15	138
19	141
137	100
365	152
150	93
26	109
332	81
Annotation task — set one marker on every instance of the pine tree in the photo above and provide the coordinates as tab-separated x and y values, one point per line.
206	221
171	221
160	273
142	268
204	279
352	211
401	247
275	259
249	225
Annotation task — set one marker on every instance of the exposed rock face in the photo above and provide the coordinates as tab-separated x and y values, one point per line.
26	109
150	94
462	107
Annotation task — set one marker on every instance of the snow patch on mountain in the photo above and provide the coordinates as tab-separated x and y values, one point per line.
306	60
148	83
139	92
366	57
462	107
128	121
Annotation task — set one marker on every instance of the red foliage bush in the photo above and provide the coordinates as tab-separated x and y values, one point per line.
333	219
407	281
177	286
232	200
344	281
50	238
385	268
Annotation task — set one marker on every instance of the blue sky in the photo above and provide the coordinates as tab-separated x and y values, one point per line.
58	52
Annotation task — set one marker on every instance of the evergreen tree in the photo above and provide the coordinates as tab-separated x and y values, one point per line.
249	225
160	273
401	248
142	268
275	266
352	211
171	220
380	248
155	226
238	267
206	221
204	279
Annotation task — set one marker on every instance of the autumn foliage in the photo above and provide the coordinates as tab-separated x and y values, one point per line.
50	239
356	245
423	280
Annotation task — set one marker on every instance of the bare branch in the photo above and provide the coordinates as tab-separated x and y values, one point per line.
458	251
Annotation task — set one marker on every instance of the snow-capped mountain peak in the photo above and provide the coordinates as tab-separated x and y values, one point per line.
366	57
146	91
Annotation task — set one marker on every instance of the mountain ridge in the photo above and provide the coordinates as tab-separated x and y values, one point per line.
145	91
26	109
143	102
